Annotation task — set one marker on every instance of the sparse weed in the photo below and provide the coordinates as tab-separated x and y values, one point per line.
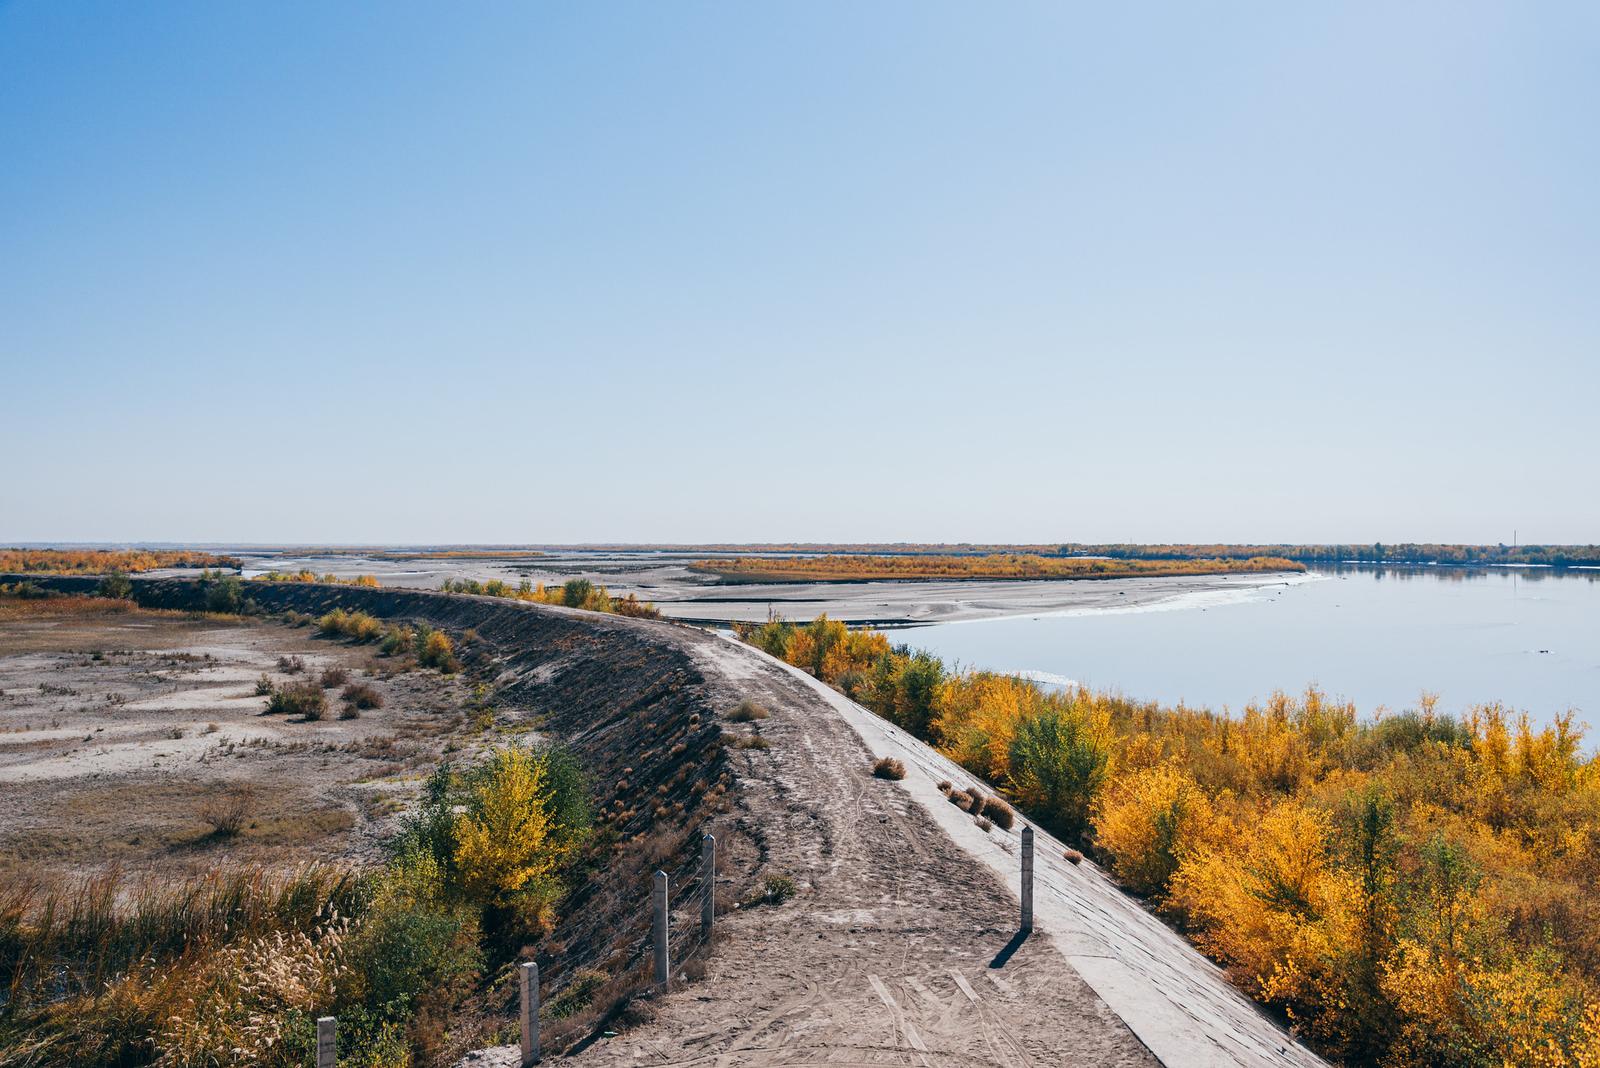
748	712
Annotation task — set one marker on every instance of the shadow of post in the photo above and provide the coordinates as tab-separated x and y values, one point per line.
1010	949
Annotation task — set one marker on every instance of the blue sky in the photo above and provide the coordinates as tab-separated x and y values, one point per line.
919	271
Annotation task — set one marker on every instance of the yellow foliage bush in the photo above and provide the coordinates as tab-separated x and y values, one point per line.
1410	888
436	650
506	843
977	720
1270	904
1149	821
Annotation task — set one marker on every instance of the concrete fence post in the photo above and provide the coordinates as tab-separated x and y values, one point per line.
708	881
327	1041
530	1013
1027	878
663	965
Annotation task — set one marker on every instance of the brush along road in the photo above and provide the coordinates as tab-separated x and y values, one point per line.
899	945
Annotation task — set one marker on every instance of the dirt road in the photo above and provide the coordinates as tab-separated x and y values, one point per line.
901	946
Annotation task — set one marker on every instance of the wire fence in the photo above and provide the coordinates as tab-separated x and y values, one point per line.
686	917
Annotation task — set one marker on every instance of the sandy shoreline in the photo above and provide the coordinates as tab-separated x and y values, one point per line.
697	598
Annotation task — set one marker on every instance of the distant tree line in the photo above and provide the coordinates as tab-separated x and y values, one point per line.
1376	552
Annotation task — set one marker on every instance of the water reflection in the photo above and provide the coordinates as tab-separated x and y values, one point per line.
1409	572
1379	635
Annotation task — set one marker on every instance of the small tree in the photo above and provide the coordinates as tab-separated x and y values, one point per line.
1059	761
116	584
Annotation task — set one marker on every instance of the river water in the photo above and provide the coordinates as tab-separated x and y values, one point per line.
1379	636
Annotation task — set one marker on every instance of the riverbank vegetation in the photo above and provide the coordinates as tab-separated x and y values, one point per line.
574	593
307	575
377	553
1366	552
429	646
1408	890
1369	553
234	967
100	561
1003	566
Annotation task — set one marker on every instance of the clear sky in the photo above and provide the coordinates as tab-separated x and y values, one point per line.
884	271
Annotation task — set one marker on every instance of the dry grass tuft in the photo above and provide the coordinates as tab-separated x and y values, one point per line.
889	768
748	712
360	695
1001	813
334	677
228	814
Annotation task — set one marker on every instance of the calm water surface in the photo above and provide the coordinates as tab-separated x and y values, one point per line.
1378	636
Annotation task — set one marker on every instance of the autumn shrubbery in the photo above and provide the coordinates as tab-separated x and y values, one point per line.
307	575
574	593
504	831
234	968
864	567
1410	890
100	561
359	626
431	648
298	699
361	695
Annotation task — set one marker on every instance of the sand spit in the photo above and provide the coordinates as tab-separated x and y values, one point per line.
665	579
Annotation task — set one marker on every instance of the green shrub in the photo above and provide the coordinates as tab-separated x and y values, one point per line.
778	889
396	640
574	592
223	593
299	699
116	584
578	993
1059	759
414	939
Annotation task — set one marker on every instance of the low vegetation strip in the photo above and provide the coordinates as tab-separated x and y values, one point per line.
99	561
1372	552
1408	890
1005	566
539	849
574	593
234	967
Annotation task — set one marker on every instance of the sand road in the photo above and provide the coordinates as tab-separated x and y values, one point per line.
901	946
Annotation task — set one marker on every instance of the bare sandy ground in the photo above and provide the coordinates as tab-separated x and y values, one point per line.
117	731
901	947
